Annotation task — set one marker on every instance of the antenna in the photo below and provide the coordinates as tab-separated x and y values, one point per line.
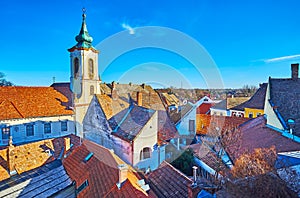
53	79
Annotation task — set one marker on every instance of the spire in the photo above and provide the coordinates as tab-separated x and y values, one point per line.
84	40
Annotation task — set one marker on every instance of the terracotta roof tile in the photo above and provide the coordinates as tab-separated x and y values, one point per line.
64	89
26	102
204	108
203	122
255	134
127	94
167	181
33	155
101	171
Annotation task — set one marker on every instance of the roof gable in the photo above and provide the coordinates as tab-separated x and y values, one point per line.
284	95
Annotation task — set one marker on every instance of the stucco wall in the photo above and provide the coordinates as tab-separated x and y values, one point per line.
18	128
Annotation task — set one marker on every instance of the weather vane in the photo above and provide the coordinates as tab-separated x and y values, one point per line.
83	10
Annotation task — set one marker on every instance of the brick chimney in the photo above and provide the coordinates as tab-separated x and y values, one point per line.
295	70
139	98
114	93
11	157
123	170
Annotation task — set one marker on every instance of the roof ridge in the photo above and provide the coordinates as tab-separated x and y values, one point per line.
175	169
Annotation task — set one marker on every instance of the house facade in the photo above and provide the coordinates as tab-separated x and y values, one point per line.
33	113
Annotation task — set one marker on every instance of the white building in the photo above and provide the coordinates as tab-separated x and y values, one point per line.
33	113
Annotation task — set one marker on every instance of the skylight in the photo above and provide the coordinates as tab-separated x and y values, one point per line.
88	157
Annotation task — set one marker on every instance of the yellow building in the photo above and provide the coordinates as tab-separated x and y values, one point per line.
253	107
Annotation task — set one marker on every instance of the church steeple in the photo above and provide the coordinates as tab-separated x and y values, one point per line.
84	40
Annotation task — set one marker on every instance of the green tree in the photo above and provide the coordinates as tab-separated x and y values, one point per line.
185	162
3	81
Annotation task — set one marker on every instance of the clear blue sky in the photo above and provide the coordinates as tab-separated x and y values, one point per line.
249	41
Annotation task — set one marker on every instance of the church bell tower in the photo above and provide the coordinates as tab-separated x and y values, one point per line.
84	80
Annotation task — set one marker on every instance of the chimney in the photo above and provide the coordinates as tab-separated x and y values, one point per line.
67	143
11	157
295	70
195	175
194	189
139	98
123	170
114	93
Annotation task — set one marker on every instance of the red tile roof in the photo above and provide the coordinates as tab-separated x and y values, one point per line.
204	108
64	89
203	122
26	102
32	155
255	134
102	173
150	100
167	181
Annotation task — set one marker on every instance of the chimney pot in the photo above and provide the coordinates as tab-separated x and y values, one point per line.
123	170
295	70
139	98
195	175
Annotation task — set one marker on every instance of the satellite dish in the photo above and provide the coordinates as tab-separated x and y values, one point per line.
184	102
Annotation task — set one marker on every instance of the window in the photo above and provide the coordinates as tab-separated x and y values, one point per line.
82	186
258	114
64	126
92	91
91	68
191	125
47	128
76	67
29	130
145	153
250	115
5	133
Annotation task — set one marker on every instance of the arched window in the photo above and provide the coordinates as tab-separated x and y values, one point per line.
76	67
91	68
145	153
92	90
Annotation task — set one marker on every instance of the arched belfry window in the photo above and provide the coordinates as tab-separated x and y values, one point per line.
76	67
92	90
145	153
91	68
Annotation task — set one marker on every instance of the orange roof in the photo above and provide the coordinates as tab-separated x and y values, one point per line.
33	155
102	173
150	100
25	102
203	122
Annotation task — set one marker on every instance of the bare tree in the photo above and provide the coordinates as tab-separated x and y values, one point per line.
3	81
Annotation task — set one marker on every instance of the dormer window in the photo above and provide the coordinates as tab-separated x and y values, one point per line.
91	68
76	67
